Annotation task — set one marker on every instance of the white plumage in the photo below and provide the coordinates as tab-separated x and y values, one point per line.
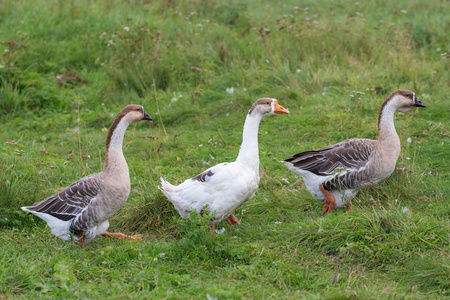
230	186
225	187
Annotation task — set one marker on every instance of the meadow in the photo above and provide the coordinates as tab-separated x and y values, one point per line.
68	67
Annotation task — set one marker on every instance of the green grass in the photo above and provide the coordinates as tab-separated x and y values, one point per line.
67	68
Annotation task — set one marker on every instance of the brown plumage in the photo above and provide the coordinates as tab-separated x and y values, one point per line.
351	154
335	173
83	208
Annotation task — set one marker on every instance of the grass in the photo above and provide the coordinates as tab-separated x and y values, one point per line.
67	68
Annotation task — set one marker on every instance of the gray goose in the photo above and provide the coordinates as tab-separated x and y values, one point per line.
334	174
226	186
82	209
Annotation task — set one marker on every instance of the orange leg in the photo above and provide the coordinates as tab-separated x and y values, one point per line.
349	207
122	236
81	241
232	220
329	201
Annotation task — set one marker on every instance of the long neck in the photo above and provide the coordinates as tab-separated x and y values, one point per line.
248	154
387	136
114	159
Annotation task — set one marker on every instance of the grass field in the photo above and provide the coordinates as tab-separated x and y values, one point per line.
68	67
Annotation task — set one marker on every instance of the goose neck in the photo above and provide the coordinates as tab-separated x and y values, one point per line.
387	135
248	153
114	158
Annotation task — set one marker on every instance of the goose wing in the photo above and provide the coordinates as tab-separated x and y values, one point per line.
349	155
71	201
209	185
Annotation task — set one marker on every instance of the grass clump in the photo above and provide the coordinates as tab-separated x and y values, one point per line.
212	249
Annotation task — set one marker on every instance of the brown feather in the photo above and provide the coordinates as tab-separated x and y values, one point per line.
405	93
116	122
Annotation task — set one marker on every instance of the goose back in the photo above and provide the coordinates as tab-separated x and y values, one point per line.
347	163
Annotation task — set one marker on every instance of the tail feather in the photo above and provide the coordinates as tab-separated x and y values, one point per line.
169	190
166	187
26	208
171	193
59	227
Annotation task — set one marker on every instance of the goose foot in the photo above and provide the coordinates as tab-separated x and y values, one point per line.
122	236
233	220
81	241
329	201
349	207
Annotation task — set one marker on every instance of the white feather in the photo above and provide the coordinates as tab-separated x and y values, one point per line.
312	182
58	227
227	186
230	187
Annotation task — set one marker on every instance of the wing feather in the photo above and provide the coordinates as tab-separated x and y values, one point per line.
71	201
345	160
349	155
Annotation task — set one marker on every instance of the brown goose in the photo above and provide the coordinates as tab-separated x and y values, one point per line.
226	186
334	174
82	209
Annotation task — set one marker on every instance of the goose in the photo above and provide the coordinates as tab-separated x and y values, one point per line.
227	186
82	209
334	174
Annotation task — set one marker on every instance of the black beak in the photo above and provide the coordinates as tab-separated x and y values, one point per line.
147	117
418	103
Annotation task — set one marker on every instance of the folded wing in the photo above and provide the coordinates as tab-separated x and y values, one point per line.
346	160
71	201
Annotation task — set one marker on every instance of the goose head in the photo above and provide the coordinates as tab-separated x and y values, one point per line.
267	106
128	115
404	100
133	113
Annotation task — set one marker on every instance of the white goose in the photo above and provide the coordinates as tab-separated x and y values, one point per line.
227	186
82	209
334	174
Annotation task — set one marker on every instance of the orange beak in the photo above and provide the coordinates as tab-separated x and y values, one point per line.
280	109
